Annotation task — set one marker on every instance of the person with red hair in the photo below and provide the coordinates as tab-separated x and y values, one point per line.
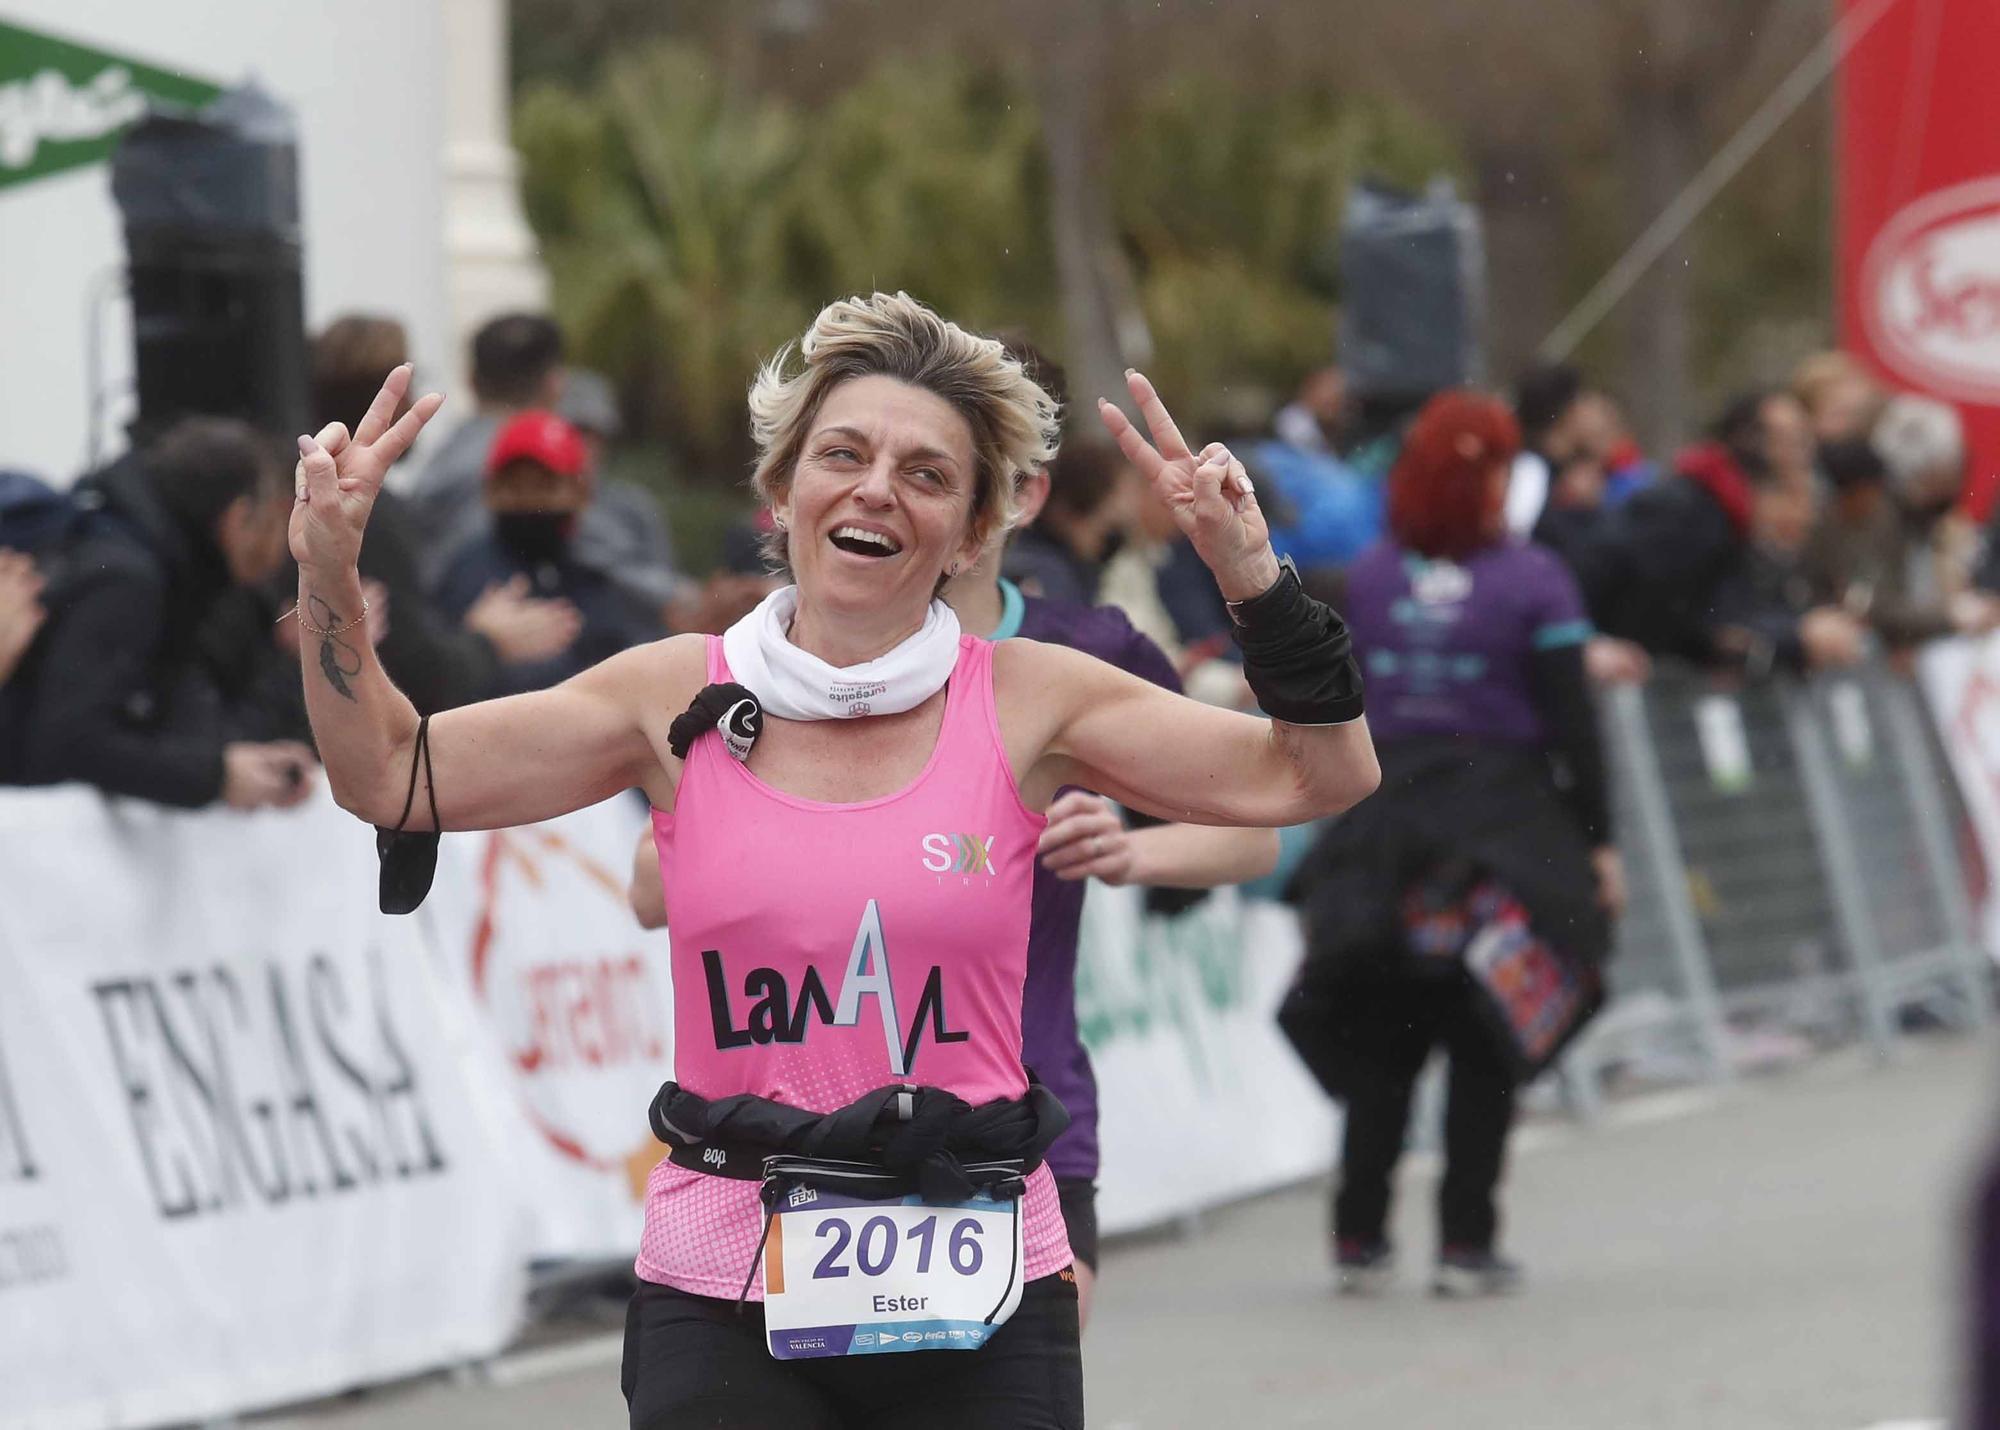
1468	903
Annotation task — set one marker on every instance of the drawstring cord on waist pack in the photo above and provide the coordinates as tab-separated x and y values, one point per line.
755	1257
1013	1253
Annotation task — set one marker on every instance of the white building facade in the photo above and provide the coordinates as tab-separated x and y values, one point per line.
408	195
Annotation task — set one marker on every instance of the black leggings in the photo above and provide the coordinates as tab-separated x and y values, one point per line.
694	1361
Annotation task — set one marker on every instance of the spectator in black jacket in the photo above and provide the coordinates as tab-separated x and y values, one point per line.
538	485
436	659
126	686
1680	551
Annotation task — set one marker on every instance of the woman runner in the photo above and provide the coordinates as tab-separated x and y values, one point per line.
872	855
1085	839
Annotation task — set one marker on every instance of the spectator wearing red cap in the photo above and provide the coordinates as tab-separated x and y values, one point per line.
538	485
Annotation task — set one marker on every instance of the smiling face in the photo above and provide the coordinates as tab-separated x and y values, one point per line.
880	501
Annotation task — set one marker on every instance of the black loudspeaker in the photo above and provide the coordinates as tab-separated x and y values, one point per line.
210	203
1412	274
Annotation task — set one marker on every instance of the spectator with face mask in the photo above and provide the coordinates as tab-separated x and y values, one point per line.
127	687
538	485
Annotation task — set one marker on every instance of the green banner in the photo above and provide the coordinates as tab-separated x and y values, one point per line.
64	104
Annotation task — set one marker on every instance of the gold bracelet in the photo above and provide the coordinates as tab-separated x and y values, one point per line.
312	630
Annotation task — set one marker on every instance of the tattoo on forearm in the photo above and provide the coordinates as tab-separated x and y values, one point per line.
338	661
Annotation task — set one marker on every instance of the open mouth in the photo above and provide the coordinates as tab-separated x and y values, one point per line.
857	542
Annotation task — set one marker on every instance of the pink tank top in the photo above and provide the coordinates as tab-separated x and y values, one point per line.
821	951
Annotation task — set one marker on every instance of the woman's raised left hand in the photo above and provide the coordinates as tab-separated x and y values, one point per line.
1208	492
339	476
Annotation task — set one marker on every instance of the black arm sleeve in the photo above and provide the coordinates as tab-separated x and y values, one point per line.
97	659
1562	695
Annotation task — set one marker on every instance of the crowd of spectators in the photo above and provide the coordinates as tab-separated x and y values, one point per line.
143	645
146	645
1806	527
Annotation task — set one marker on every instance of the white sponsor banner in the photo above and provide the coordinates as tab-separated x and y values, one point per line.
1202	1099
1961	680
532	929
242	1157
260	1143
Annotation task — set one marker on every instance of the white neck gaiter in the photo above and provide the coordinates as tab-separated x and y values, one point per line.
794	684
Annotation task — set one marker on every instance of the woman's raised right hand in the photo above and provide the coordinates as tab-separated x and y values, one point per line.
338	475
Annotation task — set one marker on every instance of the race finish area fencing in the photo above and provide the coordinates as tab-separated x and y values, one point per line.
275	1145
1798	864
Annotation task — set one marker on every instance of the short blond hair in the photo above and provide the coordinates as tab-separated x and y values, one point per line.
1015	424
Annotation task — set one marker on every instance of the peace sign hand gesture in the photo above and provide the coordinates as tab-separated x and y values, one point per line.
1210	495
338	476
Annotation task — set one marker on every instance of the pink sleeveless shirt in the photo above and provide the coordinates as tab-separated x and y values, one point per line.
821	951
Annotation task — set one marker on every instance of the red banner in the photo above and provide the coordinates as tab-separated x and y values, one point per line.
1919	208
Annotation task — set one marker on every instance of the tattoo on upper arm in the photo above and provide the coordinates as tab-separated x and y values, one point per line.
338	661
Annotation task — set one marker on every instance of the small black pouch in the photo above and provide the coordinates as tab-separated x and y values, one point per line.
729	708
409	856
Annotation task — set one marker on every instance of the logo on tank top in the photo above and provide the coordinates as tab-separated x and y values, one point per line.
773	1016
959	854
1441	583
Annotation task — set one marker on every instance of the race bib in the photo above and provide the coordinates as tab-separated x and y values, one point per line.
848	1276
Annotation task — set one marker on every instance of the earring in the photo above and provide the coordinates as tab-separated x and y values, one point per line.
952	570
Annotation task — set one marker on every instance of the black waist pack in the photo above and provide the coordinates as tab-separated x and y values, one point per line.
913	1139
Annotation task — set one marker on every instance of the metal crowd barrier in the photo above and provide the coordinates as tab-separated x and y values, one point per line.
1793	872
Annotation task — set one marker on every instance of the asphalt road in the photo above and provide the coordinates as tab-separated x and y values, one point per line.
1783	1252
